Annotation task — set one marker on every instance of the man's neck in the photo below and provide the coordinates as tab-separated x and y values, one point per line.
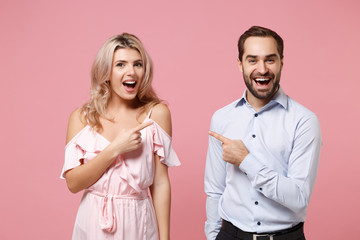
258	103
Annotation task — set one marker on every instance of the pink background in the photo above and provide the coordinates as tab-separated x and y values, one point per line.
47	48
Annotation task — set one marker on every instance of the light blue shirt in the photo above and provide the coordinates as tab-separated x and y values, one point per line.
271	188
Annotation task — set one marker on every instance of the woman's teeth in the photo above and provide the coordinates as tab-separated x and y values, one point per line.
130	84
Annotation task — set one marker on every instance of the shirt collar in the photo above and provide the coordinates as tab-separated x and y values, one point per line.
280	97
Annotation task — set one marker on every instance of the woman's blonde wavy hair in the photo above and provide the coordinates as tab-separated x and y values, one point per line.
100	79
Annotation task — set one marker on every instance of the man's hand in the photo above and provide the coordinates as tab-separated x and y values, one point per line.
234	151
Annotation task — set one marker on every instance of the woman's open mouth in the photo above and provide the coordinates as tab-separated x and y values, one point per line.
129	85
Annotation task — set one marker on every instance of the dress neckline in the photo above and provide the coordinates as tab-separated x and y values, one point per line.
107	140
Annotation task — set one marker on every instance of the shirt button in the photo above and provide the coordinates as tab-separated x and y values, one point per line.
256	115
258	223
256	202
254	136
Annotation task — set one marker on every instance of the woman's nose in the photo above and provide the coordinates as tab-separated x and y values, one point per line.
130	70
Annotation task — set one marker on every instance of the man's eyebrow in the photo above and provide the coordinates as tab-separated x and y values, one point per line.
271	55
256	56
250	56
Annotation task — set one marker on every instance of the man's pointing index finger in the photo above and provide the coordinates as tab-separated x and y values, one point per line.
218	136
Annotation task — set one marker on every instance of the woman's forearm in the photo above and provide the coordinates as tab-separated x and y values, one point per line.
161	195
87	174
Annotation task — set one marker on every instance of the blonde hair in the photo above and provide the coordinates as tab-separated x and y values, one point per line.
100	79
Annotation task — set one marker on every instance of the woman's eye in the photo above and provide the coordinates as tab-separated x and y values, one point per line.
138	64
120	65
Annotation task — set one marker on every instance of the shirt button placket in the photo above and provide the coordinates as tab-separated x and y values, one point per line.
256	203
255	115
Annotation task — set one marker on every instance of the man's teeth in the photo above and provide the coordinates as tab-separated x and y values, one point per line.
261	79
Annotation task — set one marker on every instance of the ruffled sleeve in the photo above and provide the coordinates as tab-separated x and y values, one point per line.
163	147
73	156
83	147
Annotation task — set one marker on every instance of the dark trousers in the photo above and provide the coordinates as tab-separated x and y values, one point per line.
227	233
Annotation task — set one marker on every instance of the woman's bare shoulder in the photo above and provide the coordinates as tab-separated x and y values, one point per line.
162	116
75	124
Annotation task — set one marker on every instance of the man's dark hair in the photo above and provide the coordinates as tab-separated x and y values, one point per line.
256	31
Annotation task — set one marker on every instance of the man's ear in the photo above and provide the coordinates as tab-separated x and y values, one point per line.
240	65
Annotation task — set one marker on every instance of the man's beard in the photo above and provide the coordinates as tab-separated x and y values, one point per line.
249	84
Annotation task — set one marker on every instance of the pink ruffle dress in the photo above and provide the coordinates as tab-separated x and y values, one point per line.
117	206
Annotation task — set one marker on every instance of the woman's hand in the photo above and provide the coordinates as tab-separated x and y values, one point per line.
128	139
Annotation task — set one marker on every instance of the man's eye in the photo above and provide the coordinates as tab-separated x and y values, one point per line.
252	61
270	60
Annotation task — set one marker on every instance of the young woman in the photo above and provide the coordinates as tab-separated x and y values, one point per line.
118	147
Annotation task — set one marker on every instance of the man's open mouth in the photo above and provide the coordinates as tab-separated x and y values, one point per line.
263	81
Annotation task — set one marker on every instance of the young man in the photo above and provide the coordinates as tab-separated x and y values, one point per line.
263	152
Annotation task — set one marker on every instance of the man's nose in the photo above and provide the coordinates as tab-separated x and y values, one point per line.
262	68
